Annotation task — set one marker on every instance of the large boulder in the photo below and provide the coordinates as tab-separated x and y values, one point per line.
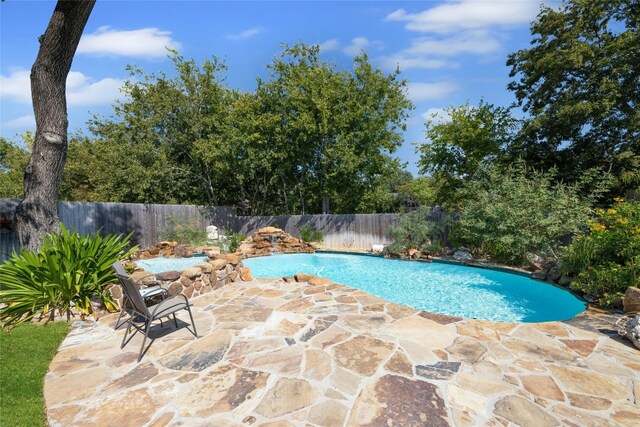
462	254
633	330
631	301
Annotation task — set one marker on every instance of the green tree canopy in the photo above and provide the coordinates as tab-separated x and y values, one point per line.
468	140
309	131
580	83
168	135
333	129
13	159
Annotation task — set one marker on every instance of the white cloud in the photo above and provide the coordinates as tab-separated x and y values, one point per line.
245	34
437	115
455	15
145	42
406	62
331	44
81	90
16	86
22	122
361	43
477	42
419	91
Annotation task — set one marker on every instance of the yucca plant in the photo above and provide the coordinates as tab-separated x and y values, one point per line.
69	270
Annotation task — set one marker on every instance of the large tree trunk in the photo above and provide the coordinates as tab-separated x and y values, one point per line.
37	213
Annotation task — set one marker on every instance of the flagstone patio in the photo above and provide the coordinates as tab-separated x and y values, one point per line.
272	353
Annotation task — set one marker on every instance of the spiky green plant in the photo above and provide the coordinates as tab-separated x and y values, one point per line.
68	271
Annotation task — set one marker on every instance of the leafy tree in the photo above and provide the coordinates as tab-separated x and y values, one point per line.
580	82
385	193
421	191
171	134
333	129
472	138
13	160
37	213
514	213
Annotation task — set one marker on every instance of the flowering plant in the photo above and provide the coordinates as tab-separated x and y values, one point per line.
606	260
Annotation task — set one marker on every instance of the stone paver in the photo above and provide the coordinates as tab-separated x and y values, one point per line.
277	353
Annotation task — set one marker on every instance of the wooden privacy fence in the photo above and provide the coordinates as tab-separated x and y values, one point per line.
343	231
146	221
346	231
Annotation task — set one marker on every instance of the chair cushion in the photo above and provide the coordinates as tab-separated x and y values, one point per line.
151	291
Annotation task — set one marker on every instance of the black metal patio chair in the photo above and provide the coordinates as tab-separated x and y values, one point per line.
143	314
147	293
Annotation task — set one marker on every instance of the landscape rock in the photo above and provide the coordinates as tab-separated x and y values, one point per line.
168	276
303	277
319	281
270	240
245	274
633	330
631	299
462	254
191	272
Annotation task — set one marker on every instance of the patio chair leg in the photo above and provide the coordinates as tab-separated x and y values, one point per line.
193	324
144	340
175	320
118	321
124	339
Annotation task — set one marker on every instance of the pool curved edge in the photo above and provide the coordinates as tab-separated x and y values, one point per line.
502	269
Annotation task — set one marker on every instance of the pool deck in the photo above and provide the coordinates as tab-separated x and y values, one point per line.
272	353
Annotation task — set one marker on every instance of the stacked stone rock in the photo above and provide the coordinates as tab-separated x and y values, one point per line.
168	249
271	239
200	279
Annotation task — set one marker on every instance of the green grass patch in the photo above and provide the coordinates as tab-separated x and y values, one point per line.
25	355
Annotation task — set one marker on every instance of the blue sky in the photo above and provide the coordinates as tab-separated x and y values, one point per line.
449	51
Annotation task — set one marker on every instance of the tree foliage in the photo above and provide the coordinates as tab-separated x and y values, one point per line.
13	159
470	139
580	83
308	132
606	260
514	213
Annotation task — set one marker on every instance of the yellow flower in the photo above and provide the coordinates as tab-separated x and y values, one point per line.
611	211
618	199
599	211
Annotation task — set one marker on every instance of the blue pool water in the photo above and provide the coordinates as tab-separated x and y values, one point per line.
437	287
158	265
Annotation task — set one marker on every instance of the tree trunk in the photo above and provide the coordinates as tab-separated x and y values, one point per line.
37	213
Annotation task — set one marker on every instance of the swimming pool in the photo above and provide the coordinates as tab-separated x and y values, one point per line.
437	287
158	265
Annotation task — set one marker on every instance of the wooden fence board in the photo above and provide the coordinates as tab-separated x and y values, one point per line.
346	231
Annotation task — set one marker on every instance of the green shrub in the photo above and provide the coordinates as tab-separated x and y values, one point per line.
232	241
308	234
510	215
185	232
606	261
415	230
69	270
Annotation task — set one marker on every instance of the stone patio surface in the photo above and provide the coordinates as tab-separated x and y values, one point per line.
272	353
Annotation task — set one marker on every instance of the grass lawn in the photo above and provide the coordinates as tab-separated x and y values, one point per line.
25	354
